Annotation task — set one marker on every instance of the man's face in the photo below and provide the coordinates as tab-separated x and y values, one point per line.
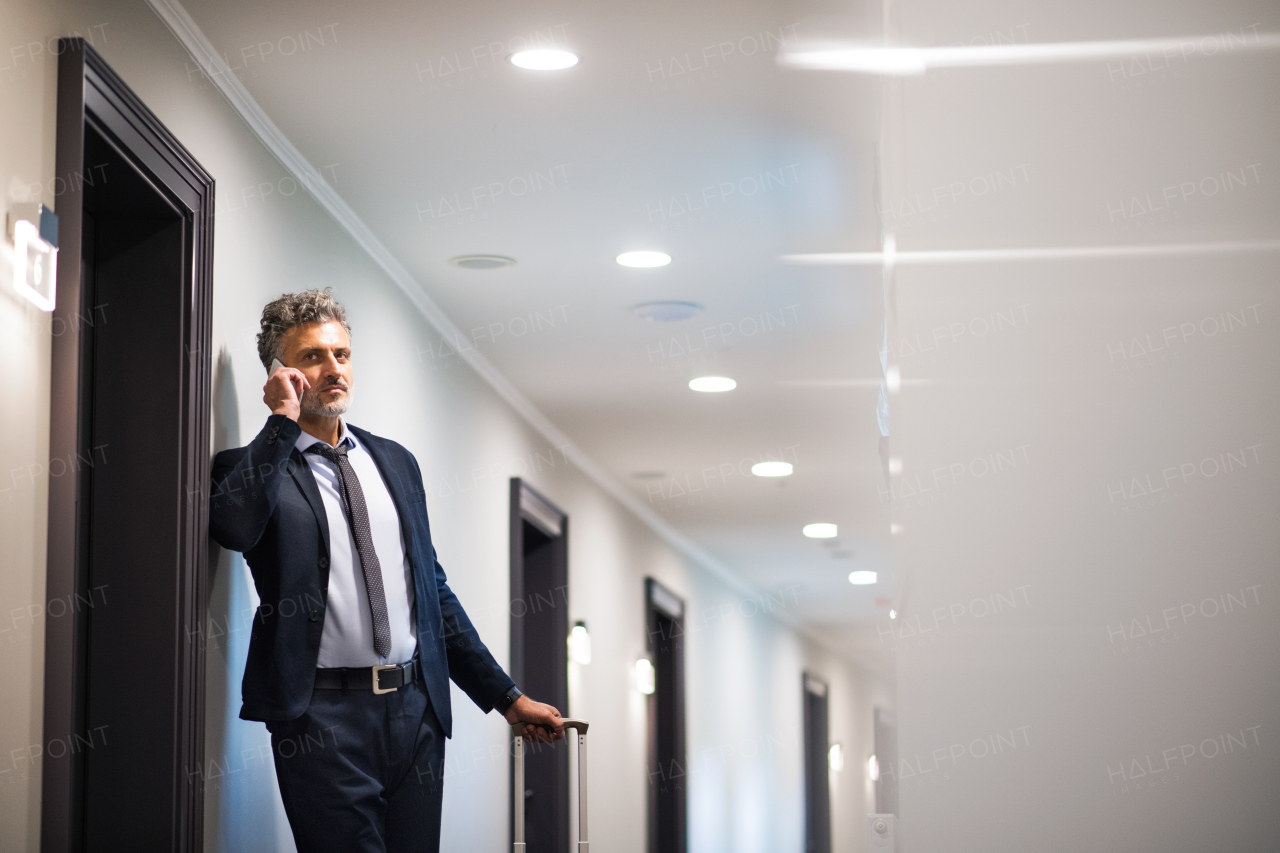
322	352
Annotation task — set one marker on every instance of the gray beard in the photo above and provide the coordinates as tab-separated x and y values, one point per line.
312	406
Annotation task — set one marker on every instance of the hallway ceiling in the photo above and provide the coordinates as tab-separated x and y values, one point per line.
676	132
656	141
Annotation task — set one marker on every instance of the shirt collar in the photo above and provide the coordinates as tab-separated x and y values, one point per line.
307	439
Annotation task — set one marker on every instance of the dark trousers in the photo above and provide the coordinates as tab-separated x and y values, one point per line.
362	772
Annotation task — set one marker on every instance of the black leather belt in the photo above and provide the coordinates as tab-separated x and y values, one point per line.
379	679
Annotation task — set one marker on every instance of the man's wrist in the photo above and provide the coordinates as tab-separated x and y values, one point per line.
506	700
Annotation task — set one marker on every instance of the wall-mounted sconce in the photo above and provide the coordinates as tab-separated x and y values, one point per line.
873	769
646	676
580	643
34	231
835	758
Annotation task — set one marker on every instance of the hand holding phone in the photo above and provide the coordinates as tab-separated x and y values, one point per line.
283	394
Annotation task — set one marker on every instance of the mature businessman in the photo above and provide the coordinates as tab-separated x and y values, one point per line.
358	634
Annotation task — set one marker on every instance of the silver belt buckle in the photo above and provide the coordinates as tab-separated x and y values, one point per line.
378	668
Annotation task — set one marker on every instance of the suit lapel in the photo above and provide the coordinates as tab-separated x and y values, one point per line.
420	554
306	481
395	484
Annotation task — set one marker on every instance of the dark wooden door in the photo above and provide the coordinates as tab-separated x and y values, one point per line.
539	655
817	790
131	558
668	764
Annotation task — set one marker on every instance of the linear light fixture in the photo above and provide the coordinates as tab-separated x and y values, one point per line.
1052	253
872	59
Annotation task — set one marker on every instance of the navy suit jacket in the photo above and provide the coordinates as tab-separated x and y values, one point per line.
265	502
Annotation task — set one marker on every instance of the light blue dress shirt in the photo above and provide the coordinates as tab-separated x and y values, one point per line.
348	625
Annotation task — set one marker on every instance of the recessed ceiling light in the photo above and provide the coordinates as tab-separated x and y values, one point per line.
862	578
666	312
893	614
482	262
644	259
771	469
712	384
820	530
544	60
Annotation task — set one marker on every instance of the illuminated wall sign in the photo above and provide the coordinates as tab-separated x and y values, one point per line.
34	231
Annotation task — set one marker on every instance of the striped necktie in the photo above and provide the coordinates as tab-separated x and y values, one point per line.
358	519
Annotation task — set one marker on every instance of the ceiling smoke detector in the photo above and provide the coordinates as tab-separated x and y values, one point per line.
668	311
482	262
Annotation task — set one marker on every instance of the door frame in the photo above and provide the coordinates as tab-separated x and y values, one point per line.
90	94
529	505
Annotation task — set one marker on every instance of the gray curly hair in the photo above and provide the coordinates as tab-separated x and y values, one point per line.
292	310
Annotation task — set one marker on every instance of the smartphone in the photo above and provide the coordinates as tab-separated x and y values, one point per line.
276	364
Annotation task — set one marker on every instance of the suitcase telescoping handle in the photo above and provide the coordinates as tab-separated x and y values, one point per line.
517	789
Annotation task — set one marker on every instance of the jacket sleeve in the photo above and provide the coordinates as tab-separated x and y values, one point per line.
471	665
246	485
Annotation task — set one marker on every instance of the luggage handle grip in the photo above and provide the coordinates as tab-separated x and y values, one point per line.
579	726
